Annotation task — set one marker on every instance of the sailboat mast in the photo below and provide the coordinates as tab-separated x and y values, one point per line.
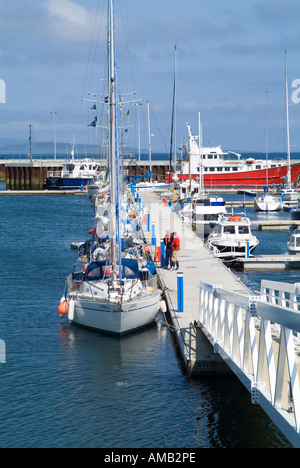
173	156
149	140
287	125
114	154
267	140
200	153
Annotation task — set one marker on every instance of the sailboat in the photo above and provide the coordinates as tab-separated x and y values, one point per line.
115	294
288	189
267	202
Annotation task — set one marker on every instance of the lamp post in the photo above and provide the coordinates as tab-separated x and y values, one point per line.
54	132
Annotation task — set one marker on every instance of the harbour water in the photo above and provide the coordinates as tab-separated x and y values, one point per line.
62	386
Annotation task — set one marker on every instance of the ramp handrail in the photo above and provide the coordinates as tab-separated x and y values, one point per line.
241	329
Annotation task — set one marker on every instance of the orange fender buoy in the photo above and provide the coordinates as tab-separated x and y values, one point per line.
63	308
157	257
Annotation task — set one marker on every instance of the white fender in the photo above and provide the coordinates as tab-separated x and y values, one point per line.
163	306
71	309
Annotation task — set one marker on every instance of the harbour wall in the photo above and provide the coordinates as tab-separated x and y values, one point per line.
31	175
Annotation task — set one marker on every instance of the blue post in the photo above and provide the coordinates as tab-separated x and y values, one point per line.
162	254
153	238
180	306
148	222
247	250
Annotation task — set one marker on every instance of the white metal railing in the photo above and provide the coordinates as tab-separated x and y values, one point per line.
265	359
284	294
54	174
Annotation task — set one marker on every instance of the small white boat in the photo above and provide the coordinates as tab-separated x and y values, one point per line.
233	237
202	214
295	213
268	203
289	193
293	244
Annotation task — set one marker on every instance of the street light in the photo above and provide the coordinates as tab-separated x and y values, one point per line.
54	131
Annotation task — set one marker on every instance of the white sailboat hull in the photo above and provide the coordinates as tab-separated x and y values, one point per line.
111	318
267	204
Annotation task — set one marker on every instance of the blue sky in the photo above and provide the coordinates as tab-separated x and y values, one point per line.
52	53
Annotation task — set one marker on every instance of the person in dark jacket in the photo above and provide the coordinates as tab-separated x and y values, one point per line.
129	245
168	241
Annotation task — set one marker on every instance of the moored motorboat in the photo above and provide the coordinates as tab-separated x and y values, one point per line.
293	244
295	213
233	237
74	174
203	213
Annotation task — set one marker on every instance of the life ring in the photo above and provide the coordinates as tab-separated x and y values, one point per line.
235	218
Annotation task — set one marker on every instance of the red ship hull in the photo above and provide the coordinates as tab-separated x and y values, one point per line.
255	178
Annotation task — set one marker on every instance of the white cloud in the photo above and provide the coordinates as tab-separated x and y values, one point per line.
69	21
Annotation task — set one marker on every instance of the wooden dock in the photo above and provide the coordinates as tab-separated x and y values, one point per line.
273	262
276	225
196	264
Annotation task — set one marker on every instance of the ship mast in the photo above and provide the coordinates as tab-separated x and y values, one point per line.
114	151
287	126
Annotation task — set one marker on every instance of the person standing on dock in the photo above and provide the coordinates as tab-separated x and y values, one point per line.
168	241
175	252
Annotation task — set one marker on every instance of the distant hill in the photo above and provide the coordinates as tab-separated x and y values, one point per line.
14	147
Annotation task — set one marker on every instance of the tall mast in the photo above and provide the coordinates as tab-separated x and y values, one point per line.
200	153
287	125
149	140
173	156
267	140
114	152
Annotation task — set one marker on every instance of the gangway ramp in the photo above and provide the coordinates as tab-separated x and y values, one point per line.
224	326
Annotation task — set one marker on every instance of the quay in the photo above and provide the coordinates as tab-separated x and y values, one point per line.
27	174
40	193
220	327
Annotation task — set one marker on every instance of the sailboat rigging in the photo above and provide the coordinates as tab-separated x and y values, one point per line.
267	202
288	190
114	293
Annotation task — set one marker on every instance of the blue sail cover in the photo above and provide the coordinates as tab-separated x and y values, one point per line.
98	271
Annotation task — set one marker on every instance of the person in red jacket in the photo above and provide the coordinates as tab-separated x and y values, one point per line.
175	252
